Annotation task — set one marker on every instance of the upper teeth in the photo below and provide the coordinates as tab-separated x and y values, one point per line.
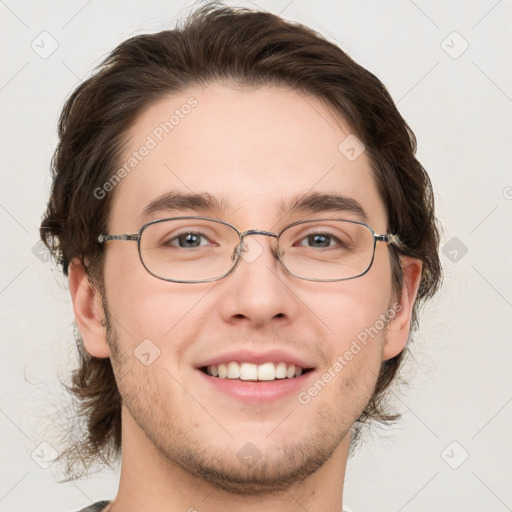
250	371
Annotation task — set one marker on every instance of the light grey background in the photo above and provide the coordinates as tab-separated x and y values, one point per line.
459	104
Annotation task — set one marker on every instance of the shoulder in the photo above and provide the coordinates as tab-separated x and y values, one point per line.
95	507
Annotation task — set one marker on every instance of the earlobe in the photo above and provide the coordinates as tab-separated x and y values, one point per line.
89	314
399	326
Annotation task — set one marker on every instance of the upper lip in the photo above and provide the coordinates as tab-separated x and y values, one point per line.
251	356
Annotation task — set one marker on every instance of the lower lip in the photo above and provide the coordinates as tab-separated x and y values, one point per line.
252	392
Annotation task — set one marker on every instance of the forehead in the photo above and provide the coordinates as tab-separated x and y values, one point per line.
253	149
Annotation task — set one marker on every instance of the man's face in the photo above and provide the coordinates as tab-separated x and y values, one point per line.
252	149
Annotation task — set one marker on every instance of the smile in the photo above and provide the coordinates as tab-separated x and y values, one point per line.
253	372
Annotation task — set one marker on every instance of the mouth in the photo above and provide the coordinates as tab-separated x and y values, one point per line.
250	372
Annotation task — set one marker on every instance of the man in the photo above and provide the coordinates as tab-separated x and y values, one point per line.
247	235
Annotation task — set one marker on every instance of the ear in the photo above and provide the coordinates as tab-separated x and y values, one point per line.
399	326
89	314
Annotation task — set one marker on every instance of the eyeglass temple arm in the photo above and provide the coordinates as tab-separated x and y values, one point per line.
110	238
390	239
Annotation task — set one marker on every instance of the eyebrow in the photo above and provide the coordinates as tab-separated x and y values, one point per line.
313	202
317	202
179	201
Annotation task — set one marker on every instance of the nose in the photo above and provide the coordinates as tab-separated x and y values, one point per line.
258	291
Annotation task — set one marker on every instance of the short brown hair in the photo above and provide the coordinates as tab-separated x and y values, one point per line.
218	43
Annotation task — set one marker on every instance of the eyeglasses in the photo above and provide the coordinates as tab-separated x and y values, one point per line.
202	249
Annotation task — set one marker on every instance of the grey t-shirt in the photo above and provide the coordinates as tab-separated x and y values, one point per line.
95	507
100	505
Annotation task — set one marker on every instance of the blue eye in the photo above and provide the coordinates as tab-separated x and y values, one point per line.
318	240
188	240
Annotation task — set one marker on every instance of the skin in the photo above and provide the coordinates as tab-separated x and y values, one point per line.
254	147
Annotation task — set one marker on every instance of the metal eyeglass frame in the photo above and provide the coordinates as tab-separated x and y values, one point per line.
136	237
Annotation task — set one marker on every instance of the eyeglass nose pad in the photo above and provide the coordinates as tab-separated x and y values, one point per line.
238	250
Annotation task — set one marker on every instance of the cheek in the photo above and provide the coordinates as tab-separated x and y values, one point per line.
360	376
350	309
357	356
144	307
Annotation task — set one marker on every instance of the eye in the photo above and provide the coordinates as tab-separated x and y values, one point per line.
188	240
320	240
